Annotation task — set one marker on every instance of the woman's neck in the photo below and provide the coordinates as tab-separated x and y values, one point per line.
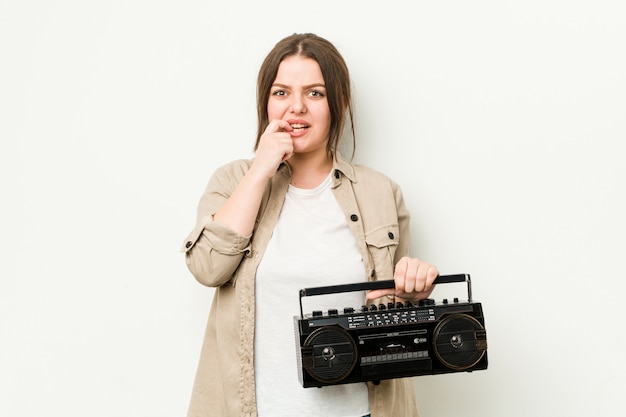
309	172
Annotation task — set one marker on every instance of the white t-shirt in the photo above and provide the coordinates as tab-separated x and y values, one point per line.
311	246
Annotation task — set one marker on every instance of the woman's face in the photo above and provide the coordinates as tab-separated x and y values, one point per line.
298	96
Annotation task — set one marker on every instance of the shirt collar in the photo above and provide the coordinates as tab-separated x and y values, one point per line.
340	164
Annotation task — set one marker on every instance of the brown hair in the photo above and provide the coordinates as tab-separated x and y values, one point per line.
336	77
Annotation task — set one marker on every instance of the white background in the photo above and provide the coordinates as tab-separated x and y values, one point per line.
503	121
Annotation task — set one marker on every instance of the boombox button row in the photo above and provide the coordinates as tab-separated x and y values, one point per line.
332	312
398	305
381	307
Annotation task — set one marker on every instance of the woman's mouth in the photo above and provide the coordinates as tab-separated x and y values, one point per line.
298	127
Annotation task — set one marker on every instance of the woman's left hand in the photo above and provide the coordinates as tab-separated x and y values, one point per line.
414	280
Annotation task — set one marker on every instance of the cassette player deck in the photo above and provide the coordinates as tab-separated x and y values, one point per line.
392	340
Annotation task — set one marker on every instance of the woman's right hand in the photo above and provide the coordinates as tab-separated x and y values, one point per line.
240	210
275	146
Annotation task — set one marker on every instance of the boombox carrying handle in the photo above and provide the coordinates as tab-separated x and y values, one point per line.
380	285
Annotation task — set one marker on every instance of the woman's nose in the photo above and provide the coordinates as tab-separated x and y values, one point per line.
297	105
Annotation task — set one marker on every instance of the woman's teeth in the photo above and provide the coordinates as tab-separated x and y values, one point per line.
298	127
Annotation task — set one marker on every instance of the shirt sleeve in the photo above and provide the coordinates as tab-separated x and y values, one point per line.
212	250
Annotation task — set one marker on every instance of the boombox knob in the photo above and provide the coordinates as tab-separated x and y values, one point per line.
456	341
328	353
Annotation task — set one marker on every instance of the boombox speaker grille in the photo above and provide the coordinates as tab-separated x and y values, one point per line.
460	341
333	354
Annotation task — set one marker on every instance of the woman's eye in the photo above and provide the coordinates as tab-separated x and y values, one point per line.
316	93
279	93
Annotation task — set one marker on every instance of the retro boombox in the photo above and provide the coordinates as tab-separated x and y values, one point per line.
398	340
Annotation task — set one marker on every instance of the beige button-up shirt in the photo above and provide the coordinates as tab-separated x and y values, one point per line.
219	257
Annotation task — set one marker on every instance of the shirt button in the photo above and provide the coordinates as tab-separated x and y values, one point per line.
337	174
391	236
354	217
188	245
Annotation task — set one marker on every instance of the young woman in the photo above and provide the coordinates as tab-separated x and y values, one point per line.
297	215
